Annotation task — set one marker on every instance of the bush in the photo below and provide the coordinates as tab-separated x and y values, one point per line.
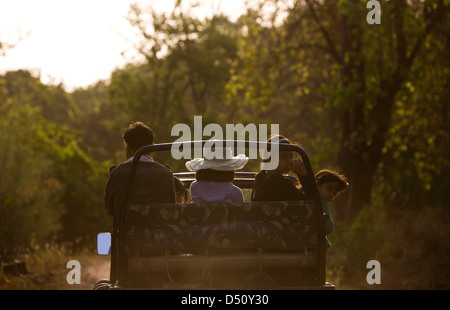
353	246
408	244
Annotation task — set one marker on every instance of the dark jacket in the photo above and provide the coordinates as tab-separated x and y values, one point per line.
152	183
275	187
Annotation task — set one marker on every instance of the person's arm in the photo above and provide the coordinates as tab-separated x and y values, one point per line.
194	192
256	191
108	197
307	186
237	195
287	190
173	193
298	167
329	224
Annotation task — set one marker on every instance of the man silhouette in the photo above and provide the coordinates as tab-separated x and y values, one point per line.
152	183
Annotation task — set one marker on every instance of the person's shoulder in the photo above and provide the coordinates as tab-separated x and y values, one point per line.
160	166
119	169
194	184
235	187
236	193
126	166
153	165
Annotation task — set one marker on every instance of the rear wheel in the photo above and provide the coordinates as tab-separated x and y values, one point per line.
102	284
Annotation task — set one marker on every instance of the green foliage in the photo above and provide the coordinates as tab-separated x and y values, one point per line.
29	193
408	245
416	152
188	63
83	181
186	70
50	190
353	246
95	125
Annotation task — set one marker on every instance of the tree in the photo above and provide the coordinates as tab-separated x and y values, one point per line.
50	189
279	75
335	81
414	170
29	193
185	72
373	64
94	123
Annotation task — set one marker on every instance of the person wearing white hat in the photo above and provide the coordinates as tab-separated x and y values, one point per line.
214	176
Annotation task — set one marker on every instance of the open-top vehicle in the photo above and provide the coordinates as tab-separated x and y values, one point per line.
249	245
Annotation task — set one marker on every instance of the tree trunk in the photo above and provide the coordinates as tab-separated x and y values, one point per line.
354	157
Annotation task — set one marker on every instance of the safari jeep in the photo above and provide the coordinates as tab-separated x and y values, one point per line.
250	245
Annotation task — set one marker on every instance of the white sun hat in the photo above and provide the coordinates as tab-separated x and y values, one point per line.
225	162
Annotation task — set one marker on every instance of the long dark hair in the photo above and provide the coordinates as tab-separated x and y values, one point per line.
180	189
325	176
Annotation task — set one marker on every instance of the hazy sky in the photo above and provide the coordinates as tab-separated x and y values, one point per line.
76	42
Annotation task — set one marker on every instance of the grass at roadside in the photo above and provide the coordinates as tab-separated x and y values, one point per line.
47	270
411	246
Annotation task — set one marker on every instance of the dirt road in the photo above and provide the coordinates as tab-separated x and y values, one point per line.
92	269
